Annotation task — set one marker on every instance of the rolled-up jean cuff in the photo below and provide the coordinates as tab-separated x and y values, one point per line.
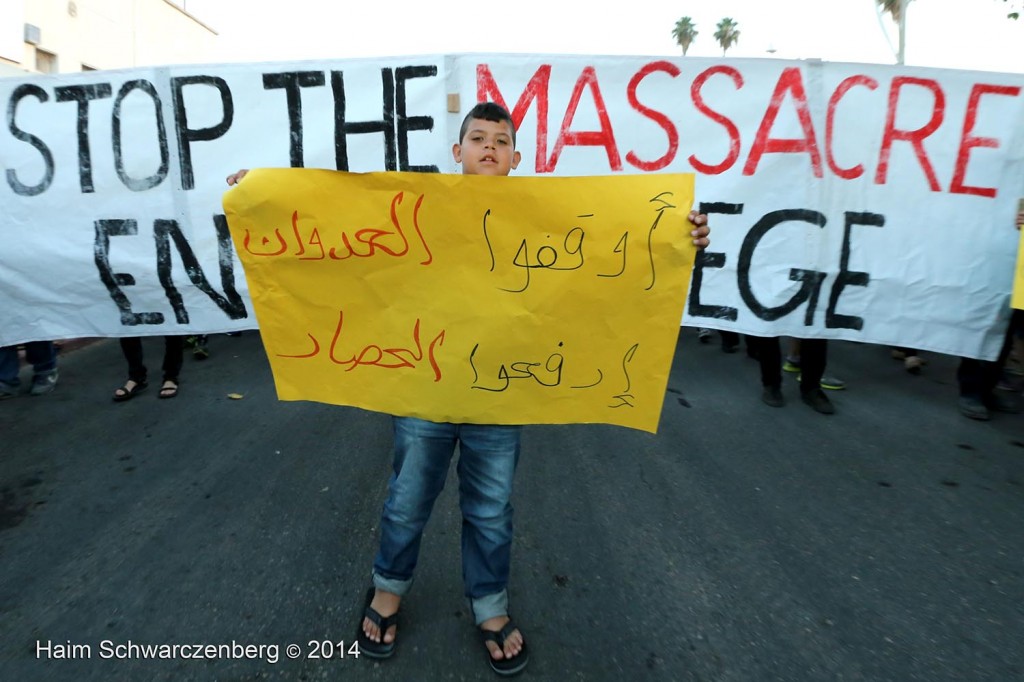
489	606
399	587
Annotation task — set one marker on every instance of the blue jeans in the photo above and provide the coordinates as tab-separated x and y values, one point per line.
488	455
42	355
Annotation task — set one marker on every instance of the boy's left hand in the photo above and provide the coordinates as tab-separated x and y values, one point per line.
701	234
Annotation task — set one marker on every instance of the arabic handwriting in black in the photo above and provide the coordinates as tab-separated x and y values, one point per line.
626	397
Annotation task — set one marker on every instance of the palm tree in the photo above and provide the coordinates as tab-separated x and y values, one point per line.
684	32
727	34
893	7
897	9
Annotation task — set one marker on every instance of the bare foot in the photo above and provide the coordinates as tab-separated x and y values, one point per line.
386	604
513	644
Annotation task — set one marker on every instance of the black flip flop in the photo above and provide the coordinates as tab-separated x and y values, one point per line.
367	646
506	667
126	393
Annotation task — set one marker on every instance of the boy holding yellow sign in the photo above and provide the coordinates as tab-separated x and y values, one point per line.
488	455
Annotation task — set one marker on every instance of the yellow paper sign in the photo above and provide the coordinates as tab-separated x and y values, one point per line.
465	298
1017	299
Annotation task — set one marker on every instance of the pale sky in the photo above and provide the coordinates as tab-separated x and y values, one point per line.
940	33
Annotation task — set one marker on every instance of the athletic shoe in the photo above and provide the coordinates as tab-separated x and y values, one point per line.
791	365
703	334
7	390
198	344
1010	381
1002	403
973	408
818	401
772	396
831	383
43	383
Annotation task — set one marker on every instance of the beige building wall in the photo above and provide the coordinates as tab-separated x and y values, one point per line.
78	35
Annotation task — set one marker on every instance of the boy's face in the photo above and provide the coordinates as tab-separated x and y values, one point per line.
486	149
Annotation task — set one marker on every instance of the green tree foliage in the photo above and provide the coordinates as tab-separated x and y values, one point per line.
685	32
897	8
727	34
893	8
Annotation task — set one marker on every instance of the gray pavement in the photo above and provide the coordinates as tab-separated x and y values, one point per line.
741	542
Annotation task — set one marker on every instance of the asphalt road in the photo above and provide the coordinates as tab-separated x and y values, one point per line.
741	542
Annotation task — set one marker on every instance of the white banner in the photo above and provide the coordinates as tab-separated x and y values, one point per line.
847	201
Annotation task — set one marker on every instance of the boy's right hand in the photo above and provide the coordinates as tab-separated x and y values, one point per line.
237	176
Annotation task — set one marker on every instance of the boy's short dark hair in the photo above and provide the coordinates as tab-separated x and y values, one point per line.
488	111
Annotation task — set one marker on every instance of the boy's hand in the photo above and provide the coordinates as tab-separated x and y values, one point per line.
700	235
237	176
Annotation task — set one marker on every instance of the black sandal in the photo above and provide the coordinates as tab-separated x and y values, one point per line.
504	666
369	647
167	392
123	393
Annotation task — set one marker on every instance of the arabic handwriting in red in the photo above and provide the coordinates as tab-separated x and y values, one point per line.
388	358
373	355
363	243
